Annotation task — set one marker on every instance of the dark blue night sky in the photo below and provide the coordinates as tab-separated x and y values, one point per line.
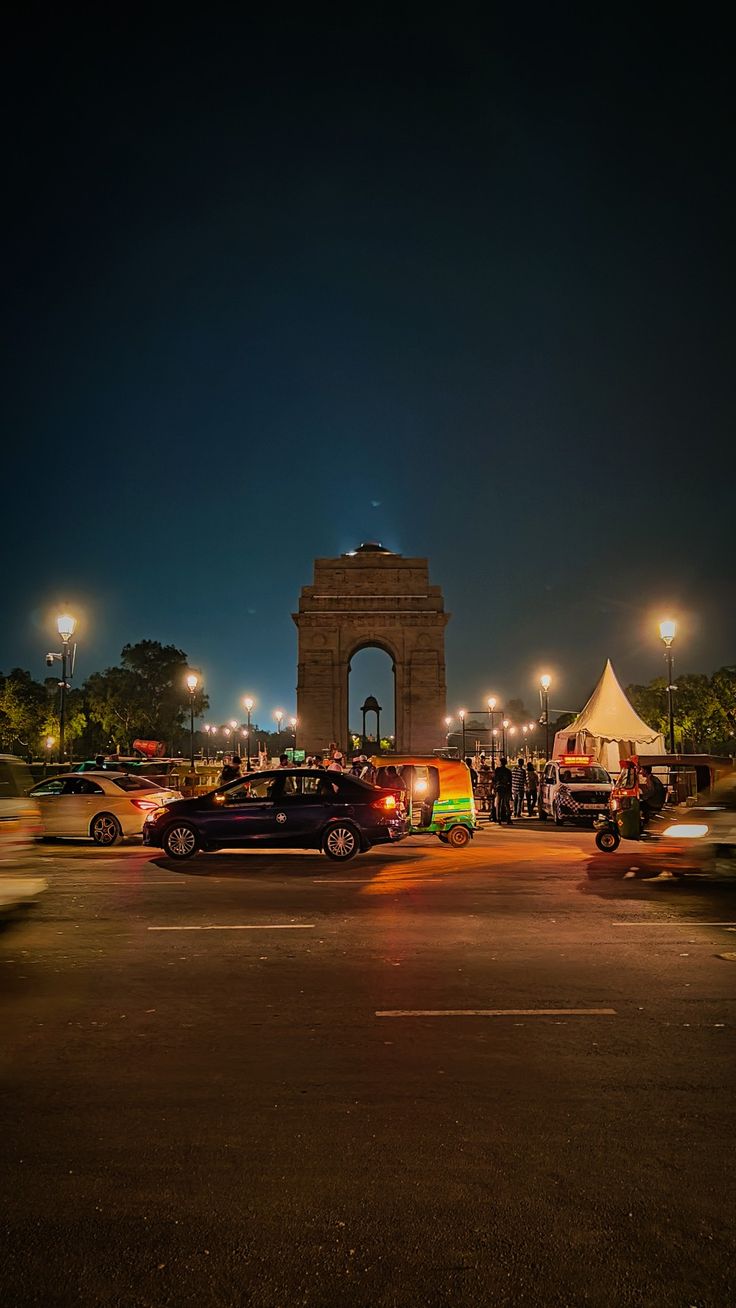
271	290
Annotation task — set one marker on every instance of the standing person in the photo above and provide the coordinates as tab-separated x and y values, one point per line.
473	773
518	780
392	780
336	762
532	786
229	771
502	786
284	761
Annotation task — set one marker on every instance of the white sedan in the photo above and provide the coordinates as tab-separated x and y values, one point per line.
103	805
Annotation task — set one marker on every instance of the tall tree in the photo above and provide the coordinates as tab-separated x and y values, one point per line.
146	696
24	705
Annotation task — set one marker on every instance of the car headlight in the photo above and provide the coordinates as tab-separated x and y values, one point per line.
687	831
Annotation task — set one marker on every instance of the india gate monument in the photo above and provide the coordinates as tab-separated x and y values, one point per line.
371	598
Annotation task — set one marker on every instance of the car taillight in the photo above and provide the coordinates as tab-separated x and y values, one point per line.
386	803
145	804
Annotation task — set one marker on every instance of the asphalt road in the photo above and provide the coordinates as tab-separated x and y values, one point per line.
425	1078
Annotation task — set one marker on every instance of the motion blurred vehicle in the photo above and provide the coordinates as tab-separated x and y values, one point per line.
438	797
700	839
686	780
105	806
20	827
288	809
20	816
574	788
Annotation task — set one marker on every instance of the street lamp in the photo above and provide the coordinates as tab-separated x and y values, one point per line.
293	724
66	626
505	724
492	701
192	683
50	742
667	630
545	682
461	715
448	724
248	705
279	717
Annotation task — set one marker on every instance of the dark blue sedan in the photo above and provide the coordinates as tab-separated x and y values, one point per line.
292	808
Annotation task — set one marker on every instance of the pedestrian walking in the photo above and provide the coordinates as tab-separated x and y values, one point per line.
532	787
502	786
518	783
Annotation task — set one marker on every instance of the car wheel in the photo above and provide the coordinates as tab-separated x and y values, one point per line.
105	829
607	840
180	841
458	837
340	842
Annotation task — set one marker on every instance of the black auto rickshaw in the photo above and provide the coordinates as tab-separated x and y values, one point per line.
683	778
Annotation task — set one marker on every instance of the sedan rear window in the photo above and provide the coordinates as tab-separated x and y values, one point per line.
133	783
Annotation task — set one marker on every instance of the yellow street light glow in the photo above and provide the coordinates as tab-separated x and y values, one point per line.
66	625
667	630
233	724
293	721
248	703
50	742
461	713
278	715
545	681
507	723
448	722
492	701
192	682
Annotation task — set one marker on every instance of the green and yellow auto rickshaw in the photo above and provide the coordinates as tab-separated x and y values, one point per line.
438	795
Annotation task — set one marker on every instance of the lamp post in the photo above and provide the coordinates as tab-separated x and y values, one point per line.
293	725
492	713
65	625
192	683
234	729
50	742
248	705
461	716
545	682
279	718
448	724
667	631
505	724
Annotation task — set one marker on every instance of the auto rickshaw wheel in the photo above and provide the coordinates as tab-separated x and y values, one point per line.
458	837
607	840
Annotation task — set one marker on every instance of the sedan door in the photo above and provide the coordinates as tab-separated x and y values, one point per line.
305	803
82	798
48	796
241	814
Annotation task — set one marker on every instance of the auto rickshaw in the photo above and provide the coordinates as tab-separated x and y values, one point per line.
684	777
438	797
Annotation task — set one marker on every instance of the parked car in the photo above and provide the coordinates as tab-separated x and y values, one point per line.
574	788
288	809
102	805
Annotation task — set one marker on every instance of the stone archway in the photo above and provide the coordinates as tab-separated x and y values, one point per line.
371	597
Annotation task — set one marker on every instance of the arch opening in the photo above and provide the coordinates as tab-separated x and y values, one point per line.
371	674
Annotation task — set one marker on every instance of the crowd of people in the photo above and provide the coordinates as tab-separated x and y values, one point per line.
234	766
504	792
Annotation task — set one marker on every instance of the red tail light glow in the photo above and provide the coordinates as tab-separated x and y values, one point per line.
387	803
145	804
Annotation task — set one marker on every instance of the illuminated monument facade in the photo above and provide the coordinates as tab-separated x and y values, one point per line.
371	598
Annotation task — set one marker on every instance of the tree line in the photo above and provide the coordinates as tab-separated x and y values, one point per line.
705	709
143	697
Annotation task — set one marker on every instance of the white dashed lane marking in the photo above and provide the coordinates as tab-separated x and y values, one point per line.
497	1012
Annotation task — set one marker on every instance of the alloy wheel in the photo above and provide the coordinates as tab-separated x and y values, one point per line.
181	842
340	842
105	829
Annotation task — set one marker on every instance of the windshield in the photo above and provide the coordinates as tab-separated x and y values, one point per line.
584	776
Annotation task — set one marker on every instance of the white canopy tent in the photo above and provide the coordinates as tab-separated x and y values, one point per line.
608	728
